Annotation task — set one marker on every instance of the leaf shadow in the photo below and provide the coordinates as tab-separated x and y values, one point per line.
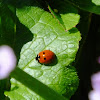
6	26
73	30
15	35
23	35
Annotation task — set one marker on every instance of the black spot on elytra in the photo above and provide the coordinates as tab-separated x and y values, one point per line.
43	52
44	58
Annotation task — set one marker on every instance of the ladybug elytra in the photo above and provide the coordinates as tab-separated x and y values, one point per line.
45	57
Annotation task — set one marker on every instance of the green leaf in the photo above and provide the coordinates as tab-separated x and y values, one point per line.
48	34
96	2
66	14
37	86
88	5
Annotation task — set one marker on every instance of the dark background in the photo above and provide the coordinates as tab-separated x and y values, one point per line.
88	64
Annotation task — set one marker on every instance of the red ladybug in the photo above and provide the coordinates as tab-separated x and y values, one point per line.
45	57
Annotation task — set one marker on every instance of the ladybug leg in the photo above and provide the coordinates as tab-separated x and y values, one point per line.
37	58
